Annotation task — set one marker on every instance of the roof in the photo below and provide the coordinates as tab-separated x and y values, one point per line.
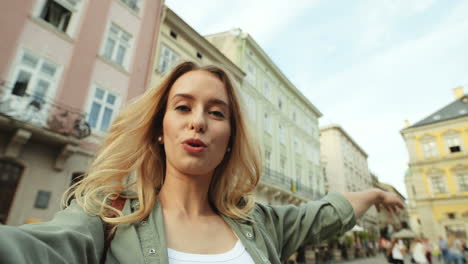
202	43
390	188
456	109
342	131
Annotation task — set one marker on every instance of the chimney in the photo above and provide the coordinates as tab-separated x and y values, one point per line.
407	124
458	92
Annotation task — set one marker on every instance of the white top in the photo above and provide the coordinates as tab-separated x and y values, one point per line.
397	250
237	255
419	253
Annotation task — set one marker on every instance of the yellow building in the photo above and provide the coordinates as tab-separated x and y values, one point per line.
437	178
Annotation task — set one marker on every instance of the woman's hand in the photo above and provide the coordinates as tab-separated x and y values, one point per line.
362	201
390	201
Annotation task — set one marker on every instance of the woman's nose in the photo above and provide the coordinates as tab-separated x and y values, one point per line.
198	121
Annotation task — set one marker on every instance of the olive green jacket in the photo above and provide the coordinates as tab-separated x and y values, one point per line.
275	233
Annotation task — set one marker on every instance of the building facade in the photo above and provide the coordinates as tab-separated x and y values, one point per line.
346	168
284	122
178	42
66	68
437	178
391	223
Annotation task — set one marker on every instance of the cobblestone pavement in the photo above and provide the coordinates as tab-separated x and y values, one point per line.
379	259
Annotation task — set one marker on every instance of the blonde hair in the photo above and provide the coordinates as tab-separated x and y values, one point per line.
131	146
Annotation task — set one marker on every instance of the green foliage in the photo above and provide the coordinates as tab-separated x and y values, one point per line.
348	241
363	235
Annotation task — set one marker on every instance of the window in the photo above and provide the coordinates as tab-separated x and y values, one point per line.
280	104
453	144
438	184
59	13
281	134
117	45
251	73
34	76
429	149
76	177
267	89
42	199
462	180
102	109
309	151
298	175
283	165
311	175
294	116
173	34
267	123
10	174
296	145
167	59
251	108
267	158
133	4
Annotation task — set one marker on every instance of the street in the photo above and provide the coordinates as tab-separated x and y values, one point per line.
380	259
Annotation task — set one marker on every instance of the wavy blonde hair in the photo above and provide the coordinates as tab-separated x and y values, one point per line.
131	146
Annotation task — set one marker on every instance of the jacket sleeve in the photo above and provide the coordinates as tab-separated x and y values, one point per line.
71	236
293	226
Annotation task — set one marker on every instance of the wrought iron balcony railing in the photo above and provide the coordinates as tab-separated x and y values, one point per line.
280	180
39	111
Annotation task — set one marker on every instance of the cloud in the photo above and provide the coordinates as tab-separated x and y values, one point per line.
263	19
406	80
377	20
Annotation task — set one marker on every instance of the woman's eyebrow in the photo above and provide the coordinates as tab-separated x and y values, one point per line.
211	101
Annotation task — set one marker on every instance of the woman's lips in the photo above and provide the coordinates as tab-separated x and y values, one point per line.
193	149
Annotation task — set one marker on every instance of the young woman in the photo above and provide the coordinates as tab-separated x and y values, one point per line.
419	252
180	161
398	251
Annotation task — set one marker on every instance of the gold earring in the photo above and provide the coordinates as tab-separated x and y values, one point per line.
160	139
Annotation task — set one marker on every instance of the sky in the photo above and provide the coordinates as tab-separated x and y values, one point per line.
366	65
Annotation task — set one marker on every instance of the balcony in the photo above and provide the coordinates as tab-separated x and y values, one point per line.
279	180
35	117
42	113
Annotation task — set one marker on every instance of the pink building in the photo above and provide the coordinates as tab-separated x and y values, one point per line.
66	68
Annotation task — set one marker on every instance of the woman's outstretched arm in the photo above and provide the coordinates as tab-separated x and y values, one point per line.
362	201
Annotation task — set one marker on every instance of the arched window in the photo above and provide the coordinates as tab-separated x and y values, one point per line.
10	174
76	177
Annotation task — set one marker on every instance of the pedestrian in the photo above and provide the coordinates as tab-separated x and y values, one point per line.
428	248
398	251
455	249
444	249
419	252
173	182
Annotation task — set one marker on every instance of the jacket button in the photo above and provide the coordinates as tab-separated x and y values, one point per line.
152	251
248	235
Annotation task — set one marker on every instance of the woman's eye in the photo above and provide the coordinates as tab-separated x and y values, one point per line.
217	114
183	108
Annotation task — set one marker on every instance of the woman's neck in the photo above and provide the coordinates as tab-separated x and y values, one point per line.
185	195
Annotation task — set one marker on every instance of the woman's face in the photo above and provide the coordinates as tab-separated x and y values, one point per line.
196	126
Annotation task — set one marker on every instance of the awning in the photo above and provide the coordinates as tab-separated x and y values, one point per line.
357	228
404	233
